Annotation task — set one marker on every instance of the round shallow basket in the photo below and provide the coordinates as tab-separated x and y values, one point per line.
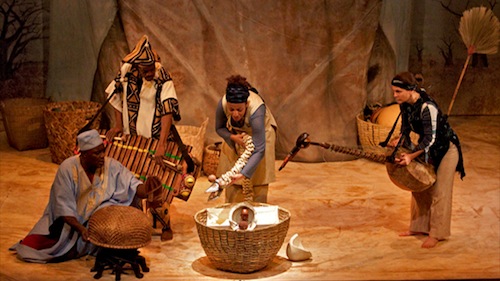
211	158
242	251
119	227
24	123
63	120
371	134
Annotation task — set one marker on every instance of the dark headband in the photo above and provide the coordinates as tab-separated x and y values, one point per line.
403	85
237	93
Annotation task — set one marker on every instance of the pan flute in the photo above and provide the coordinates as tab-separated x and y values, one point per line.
136	153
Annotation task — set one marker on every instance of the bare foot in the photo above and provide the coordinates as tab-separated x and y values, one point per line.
430	242
411	233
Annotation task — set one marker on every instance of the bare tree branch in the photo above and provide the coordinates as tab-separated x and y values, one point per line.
447	51
21	24
447	7
420	51
492	4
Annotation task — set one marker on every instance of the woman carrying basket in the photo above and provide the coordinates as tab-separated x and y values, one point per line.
437	144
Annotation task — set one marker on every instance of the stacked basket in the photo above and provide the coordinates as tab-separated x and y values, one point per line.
63	120
371	134
195	137
211	158
24	123
242	251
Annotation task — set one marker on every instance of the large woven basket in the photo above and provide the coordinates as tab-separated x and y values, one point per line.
24	123
242	251
63	120
119	227
371	134
211	158
195	137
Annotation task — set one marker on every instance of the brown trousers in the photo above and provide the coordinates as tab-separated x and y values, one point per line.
431	208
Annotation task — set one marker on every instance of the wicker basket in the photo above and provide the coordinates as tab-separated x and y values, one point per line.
195	137
24	123
371	134
211	158
119	227
242	251
63	120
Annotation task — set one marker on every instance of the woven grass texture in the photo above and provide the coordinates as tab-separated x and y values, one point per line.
242	251
195	137
119	227
211	158
24	123
63	120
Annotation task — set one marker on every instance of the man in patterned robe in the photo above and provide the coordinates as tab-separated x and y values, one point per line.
145	103
83	184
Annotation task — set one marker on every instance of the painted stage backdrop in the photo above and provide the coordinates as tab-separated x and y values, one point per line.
316	63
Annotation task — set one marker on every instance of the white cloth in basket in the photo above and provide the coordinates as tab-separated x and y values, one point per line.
264	215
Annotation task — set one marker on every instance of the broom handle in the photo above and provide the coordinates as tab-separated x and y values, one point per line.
459	82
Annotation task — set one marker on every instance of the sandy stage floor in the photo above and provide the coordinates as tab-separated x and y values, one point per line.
348	214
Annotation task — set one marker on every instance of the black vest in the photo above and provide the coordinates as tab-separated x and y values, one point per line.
412	121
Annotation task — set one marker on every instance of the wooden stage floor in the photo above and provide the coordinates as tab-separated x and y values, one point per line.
348	214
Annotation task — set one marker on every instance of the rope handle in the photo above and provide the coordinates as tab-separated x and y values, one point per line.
386	141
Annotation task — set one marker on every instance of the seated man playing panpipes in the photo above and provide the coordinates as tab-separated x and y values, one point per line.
145	103
83	184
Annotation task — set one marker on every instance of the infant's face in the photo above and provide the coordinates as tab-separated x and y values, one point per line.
244	214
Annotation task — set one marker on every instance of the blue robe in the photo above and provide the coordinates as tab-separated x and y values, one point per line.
72	194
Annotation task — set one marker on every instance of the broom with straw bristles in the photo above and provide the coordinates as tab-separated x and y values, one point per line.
480	31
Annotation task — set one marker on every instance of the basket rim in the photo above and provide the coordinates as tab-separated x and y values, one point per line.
104	245
52	105
254	204
26	98
72	102
10	105
360	119
211	147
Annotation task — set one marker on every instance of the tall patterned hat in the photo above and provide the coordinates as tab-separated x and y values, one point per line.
142	53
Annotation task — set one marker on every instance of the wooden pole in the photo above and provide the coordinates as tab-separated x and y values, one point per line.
459	82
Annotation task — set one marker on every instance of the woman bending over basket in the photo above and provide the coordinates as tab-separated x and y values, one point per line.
439	145
242	111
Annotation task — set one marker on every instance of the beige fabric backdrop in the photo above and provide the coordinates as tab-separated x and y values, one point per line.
309	59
